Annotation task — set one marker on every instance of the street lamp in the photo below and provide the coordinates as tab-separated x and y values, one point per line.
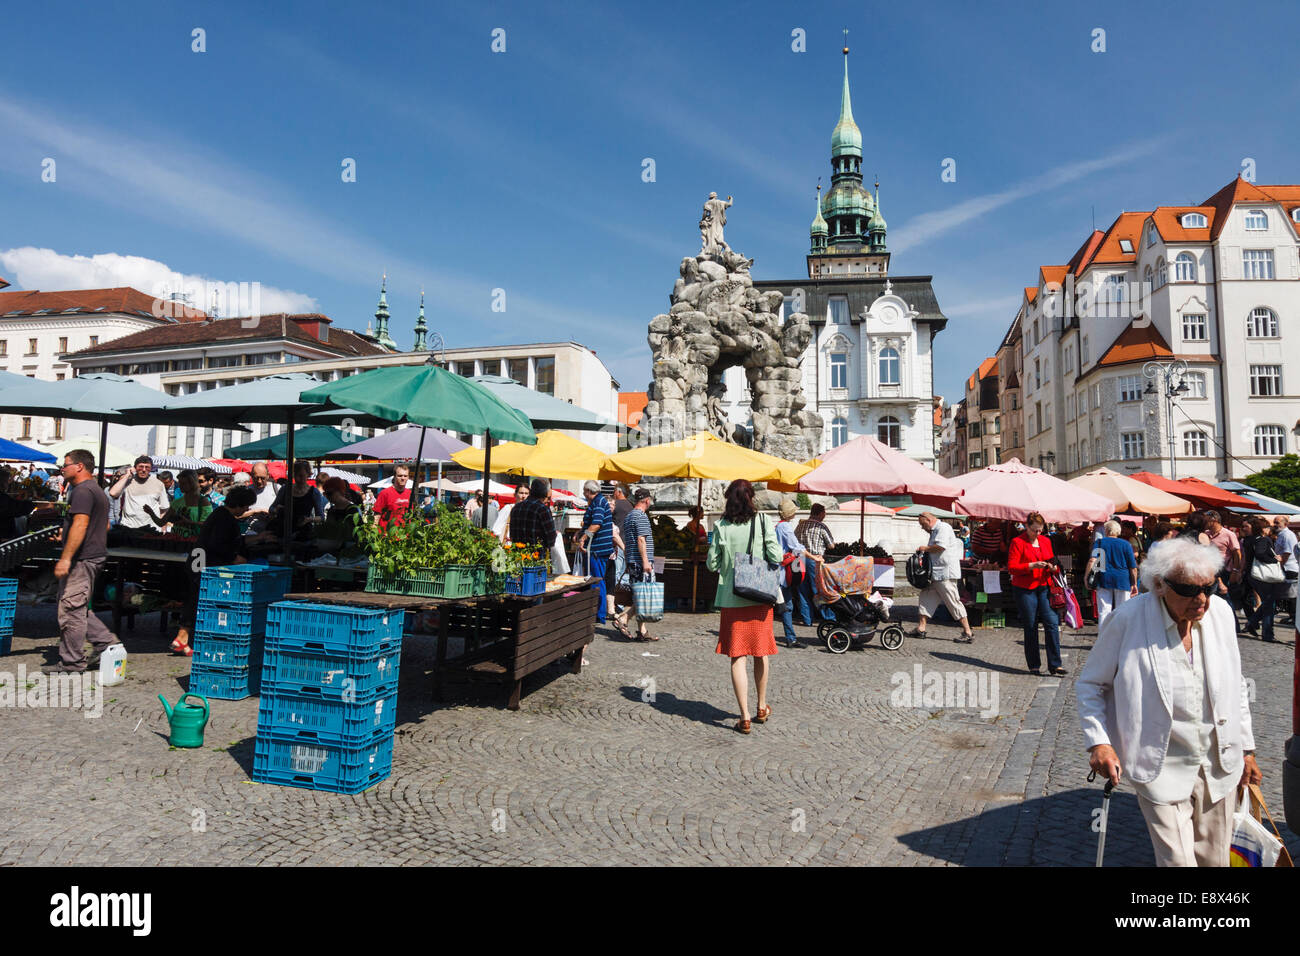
1172	379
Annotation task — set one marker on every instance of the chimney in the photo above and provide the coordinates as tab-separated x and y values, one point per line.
317	326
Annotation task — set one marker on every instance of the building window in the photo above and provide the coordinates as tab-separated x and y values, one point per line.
838	310
839	370
4	348
1132	445
58	429
545	370
889	363
839	431
1130	388
171	439
1084	358
94	340
207	442
1069	359
890	432
1196	328
1069	408
27	429
1193	220
1196	445
31	346
1038	374
1096	451
1151	234
1083	454
1083	401
1196	384
1185	267
1256	220
975	459
1150	278
226	361
1112	291
1265	380
1126	246
1262	324
1162	272
974	430
518	371
63	343
1269	440
1257	264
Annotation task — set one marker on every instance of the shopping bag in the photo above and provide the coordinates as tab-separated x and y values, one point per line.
648	595
559	560
1056	592
752	577
1252	843
1073	613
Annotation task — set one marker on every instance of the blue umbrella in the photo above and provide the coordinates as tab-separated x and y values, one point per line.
12	451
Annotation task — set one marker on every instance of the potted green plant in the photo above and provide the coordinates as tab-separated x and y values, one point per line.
438	555
526	569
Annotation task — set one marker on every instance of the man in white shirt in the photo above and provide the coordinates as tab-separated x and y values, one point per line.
264	487
137	490
945	575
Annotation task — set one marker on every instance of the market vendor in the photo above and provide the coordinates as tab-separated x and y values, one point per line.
188	512
11	507
308	502
220	543
696	525
338	530
989	541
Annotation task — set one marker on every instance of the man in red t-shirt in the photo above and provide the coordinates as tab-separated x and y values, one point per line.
394	500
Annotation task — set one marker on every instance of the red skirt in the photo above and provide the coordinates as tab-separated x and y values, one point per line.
747	632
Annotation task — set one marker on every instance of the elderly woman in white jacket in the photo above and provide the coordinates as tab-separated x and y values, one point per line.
1162	699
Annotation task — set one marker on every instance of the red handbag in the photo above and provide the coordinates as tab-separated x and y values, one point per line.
1056	592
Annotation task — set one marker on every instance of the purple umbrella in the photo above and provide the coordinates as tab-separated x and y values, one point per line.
403	445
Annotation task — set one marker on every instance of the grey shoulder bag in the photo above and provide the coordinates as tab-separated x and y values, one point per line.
752	577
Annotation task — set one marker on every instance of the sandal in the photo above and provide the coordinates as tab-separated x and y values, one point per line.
183	649
742	726
762	715
622	629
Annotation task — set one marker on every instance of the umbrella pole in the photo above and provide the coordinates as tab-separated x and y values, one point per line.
487	470
415	489
103	447
288	498
695	565
862	523
437	489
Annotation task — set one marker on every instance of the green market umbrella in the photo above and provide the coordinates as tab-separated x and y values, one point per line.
432	397
312	441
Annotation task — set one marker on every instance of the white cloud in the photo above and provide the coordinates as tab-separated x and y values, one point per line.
932	225
51	271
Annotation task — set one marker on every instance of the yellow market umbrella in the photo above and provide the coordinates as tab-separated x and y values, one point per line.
793	485
707	456
1129	494
555	455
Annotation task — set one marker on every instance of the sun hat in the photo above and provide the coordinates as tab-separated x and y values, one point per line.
788	509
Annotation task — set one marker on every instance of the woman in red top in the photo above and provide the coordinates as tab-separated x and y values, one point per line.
1031	563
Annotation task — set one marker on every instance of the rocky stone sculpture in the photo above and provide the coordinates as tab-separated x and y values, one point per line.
718	320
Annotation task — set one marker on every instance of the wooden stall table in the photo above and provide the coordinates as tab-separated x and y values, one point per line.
504	634
155	571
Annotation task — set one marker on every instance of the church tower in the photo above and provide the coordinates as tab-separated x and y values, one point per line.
381	318
853	242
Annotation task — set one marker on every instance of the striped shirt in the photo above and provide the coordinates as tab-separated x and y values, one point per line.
814	536
598	513
638	523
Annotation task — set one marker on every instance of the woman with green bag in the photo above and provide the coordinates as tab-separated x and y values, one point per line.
746	626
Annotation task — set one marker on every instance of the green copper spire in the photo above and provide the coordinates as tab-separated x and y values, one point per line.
818	229
877	227
420	328
846	140
381	317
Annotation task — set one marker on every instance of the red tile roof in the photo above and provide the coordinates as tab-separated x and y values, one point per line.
1136	344
1083	255
987	366
251	328
1031	293
123	300
1168	220
1048	274
1241	191
1127	226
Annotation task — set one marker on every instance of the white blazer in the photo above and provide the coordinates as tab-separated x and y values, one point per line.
1124	690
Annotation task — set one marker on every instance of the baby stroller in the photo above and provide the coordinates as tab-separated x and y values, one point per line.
846	588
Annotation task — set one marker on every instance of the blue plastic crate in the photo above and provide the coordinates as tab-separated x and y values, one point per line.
328	721
528	584
7	612
314	765
6	644
8	590
233	620
332	675
244	583
225	651
332	626
223	683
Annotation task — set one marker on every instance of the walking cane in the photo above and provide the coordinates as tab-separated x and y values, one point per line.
1105	812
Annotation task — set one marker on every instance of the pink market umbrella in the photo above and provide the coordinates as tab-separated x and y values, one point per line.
866	507
866	466
1012	490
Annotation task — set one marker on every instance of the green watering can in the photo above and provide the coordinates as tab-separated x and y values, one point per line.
187	721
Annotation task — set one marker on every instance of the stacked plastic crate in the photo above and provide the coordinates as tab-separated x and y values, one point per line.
329	696
8	607
228	635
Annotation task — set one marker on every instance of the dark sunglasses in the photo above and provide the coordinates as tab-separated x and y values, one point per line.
1183	589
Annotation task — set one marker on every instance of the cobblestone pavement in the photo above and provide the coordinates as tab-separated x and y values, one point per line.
633	761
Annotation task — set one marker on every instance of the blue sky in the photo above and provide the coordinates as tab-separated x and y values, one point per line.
522	170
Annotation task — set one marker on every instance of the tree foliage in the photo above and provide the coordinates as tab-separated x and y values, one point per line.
1281	480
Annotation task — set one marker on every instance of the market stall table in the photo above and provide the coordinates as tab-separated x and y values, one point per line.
158	571
504	634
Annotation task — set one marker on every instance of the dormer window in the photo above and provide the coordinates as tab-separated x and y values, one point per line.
1192	220
1151	235
1256	220
1126	246
1295	213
